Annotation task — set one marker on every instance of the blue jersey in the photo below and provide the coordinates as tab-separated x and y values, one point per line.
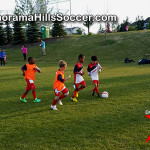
2	54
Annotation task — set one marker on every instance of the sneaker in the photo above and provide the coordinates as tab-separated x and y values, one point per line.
98	95
54	107
24	100
37	100
93	93
147	112
77	95
60	102
74	99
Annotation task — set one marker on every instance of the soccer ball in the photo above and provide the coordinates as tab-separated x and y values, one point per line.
105	94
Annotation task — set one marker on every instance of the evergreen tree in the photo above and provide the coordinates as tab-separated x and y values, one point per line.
2	36
32	32
139	23
18	36
8	31
58	29
88	23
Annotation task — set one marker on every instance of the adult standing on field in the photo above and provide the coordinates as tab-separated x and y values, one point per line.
43	47
24	50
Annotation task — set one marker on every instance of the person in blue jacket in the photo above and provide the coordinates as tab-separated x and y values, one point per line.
2	55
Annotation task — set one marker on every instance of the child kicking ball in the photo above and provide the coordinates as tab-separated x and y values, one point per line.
93	69
59	85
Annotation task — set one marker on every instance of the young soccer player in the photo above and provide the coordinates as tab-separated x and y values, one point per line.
78	77
59	85
28	71
93	69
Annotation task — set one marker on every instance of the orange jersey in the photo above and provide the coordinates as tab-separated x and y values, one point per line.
59	84
30	72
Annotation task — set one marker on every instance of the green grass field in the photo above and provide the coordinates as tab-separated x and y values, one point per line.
117	123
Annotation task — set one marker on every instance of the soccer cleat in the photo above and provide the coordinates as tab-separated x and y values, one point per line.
60	102
54	107
98	95
24	100
77	95
37	100
74	99
93	93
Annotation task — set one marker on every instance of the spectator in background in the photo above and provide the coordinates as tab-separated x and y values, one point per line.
127	28
24	50
3	57
43	47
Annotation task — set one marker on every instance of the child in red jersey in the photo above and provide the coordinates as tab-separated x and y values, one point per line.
93	69
78	77
59	85
29	73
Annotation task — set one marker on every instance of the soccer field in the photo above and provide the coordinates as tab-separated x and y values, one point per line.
116	123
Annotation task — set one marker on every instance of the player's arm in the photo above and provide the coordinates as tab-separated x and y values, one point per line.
89	72
99	68
37	69
23	69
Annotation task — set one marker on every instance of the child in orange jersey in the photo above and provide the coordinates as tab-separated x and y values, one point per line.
29	73
59	85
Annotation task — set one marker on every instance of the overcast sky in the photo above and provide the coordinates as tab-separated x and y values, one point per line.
130	8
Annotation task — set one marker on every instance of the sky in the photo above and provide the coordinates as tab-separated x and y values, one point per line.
130	8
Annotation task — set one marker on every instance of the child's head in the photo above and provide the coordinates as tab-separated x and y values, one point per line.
94	58
81	58
62	65
31	60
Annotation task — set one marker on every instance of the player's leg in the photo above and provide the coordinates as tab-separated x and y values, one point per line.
96	88
83	85
56	99
65	94
24	95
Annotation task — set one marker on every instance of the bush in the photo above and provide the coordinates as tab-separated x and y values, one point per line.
132	28
90	33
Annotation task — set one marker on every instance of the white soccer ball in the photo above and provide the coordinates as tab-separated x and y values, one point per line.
105	94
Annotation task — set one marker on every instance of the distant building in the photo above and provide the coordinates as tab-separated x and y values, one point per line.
74	30
146	22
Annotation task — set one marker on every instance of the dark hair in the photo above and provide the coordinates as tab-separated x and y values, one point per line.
94	58
30	58
81	56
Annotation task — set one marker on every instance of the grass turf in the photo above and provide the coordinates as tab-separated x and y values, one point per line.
92	124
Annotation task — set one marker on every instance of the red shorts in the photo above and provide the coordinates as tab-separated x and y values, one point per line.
81	83
96	82
57	93
30	85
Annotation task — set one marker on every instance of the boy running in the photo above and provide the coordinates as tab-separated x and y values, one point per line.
78	79
59	85
28	71
93	69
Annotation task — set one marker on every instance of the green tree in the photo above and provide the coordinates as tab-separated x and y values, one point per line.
139	23
89	23
8	31
124	24
79	31
19	34
2	36
58	29
32	32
